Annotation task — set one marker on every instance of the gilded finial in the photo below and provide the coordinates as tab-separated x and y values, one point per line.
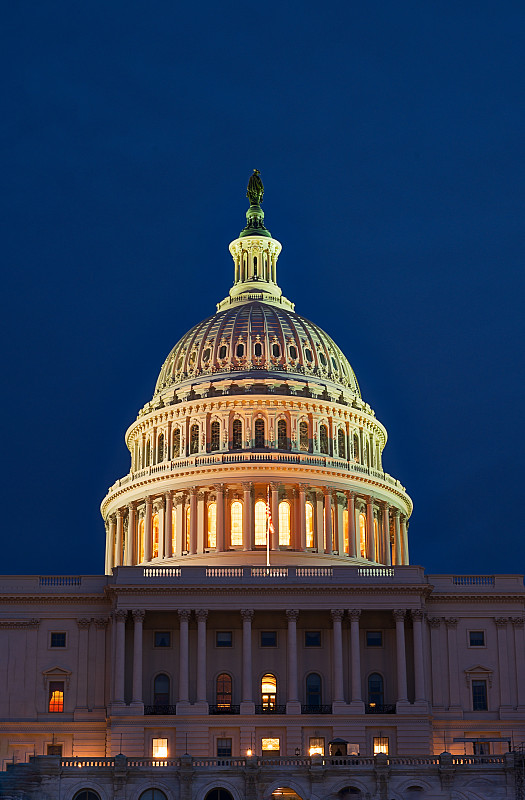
255	189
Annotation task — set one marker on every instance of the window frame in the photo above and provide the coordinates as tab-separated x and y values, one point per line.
375	646
220	646
265	646
477	646
52	646
53	687
224	739
480	682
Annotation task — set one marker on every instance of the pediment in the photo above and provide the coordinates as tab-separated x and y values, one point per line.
56	673
479	671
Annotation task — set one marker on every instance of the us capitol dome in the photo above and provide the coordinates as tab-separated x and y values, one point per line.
257	446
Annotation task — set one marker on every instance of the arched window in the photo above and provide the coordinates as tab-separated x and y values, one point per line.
260	522
303	436
240	350
215	442
323	439
356	447
160	448
293	352
161	690
237	434
86	794
284	523
176	443
222	351
258	349
218	794
268	691
141	540
224	690
236	524
148	450
341	444
155	526
362	534
212	525
282	435
309	514
276	350
152	794
194	439
375	690
313	690
188	527
259	433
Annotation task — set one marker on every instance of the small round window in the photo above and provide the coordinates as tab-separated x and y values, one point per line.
276	350
206	355
293	352
308	355
222	351
258	349
240	350
322	359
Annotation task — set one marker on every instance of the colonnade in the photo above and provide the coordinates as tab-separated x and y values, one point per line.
353	695
202	520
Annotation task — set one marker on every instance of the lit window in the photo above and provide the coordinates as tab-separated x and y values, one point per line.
312	638
268	692
215	435
58	639
323	439
237	434
159	748
477	638
224	748
376	540
282	435
303	436
271	746
162	639
268	638
194	439
141	541
223	638
479	695
173	529
259	433
380	745
374	638
345	530
236	524
284	523
188	527
260	522
341	445
212	525
309	514
155	525
224	690
56	696
362	534
316	746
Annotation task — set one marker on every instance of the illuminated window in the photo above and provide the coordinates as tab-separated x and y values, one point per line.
260	522
215	442
58	639
161	690
153	794
56	696
237	434
303	436
173	530
479	696
309	514
284	523
270	746
345	530
323	439
268	692
375	690
194	439
86	794
176	443
236	524
159	748
362	535
155	525
188	527
316	746
224	690
259	433
356	447
212	525
380	745
313	690
282	435
224	748
160	448
376	540
162	639
141	541
341	444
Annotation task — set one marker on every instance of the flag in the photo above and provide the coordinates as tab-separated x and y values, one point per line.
271	529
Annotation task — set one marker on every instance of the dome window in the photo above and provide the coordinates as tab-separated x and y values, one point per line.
193	356
240	350
180	363
334	363
258	349
176	443
323	439
284	523
341	443
236	524
293	352
282	435
322	359
222	351
276	350
259	433
237	434
194	439
206	355
160	448
308	355
215	435
303	436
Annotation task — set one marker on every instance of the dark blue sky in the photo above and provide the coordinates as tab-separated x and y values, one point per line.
390	137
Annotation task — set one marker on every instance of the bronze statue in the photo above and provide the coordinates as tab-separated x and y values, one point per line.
255	190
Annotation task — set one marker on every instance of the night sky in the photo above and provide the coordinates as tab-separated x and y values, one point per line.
390	139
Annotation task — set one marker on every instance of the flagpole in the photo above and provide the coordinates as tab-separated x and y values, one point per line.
268	527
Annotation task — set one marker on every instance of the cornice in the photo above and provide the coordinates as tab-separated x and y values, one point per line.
19	623
519	597
64	599
214	590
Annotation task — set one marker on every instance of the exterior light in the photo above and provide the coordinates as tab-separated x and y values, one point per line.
316	751
249	753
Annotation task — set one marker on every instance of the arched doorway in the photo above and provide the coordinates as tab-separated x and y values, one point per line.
219	794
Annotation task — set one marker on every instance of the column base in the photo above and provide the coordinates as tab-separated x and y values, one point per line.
293	707
356	707
137	706
247	707
402	706
200	707
339	707
182	707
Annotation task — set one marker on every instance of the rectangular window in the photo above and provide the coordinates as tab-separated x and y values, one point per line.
316	746
56	696
159	748
476	638
268	638
223	639
479	695
312	638
58	639
162	639
54	750
224	748
380	745
374	638
270	747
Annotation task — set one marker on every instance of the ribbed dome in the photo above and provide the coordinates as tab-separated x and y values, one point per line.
259	340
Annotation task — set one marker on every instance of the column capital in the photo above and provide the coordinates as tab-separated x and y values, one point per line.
101	622
328	491
386	505
201	613
501	622
219	487
132	505
417	613
304	487
434	622
201	495
179	499
169	495
399	614
148	500
275	486
120	614
83	623
138	614
247	486
354	613
451	622
337	613
193	491
247	613
518	622
369	499
350	494
397	512
291	613
184	613
120	513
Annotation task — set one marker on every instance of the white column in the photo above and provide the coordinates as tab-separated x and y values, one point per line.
274	543
247	616
82	684
118	545
303	487
193	521
337	654
351	524
147	530
138	620
399	616
119	618
355	653
503	660
219	488
202	615
293	705
419	666
397	538
404	540
179	524
110	545
168	524
386	535
184	652
327	520
247	517
130	538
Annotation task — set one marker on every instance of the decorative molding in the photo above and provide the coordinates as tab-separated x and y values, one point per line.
201	613
501	622
138	614
292	613
479	671
184	613
451	622
434	622
247	613
337	613
83	623
354	613
120	615
417	613
12	624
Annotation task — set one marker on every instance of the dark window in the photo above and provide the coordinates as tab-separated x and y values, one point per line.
341	443
194	439
303	436
477	638
176	443
282	438
240	350
322	359
224	690
308	355
224	748
87	794
479	695
147	453
180	362
312	638
206	355
218	794
215	435
54	750
160	448
222	351
237	434
258	349
293	352
56	696
375	690
161	690
356	447
58	639
162	639
276	350
313	690
268	638
259	433
152	794
223	638
374	638
334	363
323	439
